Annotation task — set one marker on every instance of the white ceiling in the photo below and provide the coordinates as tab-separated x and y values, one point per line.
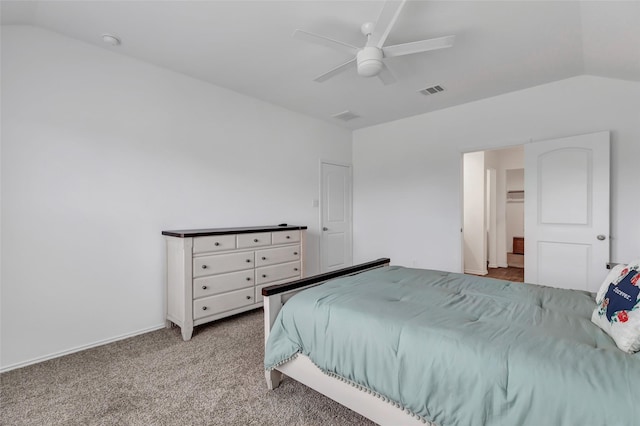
246	46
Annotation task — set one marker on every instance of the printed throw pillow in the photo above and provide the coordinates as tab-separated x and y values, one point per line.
614	275
618	313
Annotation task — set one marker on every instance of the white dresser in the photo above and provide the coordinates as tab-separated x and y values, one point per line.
214	273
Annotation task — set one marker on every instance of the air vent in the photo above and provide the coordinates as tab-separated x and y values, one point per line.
346	116
432	90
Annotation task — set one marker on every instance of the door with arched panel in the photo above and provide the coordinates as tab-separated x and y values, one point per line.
567	211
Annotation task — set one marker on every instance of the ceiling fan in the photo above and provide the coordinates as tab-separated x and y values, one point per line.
369	59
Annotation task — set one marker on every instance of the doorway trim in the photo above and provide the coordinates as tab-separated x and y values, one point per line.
491	217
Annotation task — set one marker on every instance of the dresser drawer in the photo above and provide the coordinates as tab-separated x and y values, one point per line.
267	274
214	284
254	240
284	237
214	243
277	255
223	302
220	263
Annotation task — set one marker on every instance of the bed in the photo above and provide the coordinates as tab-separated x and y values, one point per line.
410	346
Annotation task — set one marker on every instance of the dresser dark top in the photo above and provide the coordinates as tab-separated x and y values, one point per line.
186	233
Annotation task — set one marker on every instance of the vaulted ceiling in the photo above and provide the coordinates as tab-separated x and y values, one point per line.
247	46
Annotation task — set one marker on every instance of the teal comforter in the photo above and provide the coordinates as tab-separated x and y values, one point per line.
462	350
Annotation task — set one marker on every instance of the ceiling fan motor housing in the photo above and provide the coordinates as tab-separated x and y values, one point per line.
369	61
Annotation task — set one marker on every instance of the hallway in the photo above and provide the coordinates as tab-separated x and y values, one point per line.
508	274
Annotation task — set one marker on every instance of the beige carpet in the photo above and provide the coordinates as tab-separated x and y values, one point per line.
157	379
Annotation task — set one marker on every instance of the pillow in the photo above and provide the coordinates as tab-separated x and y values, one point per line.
613	274
618	312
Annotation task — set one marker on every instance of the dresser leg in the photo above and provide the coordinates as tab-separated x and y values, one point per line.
168	324
186	333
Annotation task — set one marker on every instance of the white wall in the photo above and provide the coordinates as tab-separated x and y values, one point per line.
512	158
474	220
515	179
495	209
407	173
100	153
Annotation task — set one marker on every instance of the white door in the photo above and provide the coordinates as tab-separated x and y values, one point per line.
567	211
335	220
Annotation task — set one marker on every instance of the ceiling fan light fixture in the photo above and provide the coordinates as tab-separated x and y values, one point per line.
369	61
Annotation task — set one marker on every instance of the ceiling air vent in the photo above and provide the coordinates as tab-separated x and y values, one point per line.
346	116
432	90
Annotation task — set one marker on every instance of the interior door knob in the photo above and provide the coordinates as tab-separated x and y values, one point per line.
601	237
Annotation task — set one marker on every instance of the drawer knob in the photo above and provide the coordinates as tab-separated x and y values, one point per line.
248	297
288	237
248	278
295	269
264	276
216	243
204	308
264	258
295	253
204	266
248	260
255	240
204	287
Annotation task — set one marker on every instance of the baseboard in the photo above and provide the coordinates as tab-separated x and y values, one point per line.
502	265
79	348
476	272
493	265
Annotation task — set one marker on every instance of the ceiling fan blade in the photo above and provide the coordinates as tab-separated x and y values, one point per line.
325	41
386	76
337	70
386	21
418	46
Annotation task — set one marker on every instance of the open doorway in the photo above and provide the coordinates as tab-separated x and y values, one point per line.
493	224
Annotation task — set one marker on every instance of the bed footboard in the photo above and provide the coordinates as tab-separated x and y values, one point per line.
276	295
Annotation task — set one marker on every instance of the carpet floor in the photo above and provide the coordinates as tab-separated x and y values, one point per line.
157	379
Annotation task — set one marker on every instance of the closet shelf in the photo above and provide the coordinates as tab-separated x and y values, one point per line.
515	196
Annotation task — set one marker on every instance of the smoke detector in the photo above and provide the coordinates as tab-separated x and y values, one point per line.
111	40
